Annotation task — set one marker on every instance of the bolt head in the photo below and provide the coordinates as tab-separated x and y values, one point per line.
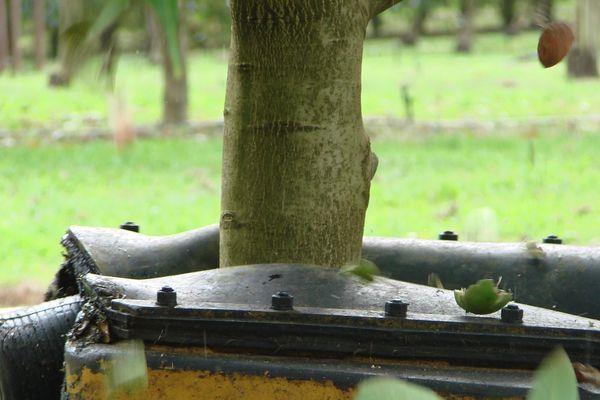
512	314
130	226
396	308
166	297
552	239
448	235
282	301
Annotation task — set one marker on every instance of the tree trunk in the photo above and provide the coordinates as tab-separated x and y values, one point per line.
543	12
15	34
3	35
175	96
509	16
465	30
297	163
418	24
582	61
39	22
376	24
153	39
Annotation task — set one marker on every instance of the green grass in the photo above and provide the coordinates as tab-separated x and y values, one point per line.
502	78
423	186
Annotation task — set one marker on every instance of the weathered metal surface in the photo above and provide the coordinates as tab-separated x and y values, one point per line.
223	337
335	313
182	373
549	278
176	372
118	252
565	278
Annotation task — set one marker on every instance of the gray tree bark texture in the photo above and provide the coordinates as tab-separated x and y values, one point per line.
175	95
297	164
3	35
39	24
16	58
582	61
465	29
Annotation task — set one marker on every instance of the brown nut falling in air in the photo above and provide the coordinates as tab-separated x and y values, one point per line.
555	43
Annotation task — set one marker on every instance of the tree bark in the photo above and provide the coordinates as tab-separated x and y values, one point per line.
297	163
153	39
39	22
418	24
582	62
15	34
507	9
543	12
3	35
175	95
465	30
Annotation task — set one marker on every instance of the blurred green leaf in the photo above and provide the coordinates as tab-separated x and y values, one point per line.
365	270
393	389
127	371
167	12
110	13
483	297
555	379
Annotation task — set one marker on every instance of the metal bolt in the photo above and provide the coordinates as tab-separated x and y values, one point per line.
512	314
166	297
448	235
396	308
282	301
130	226
552	239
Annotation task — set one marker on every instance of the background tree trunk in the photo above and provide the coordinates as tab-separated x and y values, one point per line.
175	96
39	23
509	16
153	39
3	35
582	60
417	27
465	30
16	58
543	12
297	163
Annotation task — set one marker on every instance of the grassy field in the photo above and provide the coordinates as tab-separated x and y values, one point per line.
502	78
485	188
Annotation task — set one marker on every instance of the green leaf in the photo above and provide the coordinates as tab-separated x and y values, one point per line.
483	297
167	13
365	270
110	13
127	370
555	379
393	389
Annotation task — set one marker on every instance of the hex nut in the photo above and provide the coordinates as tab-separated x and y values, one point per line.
130	226
166	297
512	314
448	235
552	239
282	301
396	308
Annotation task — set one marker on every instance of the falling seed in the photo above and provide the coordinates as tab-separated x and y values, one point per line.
555	43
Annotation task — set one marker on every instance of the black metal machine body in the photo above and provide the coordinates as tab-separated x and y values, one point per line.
314	324
560	277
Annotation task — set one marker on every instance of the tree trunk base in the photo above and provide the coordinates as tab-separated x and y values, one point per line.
582	63
463	47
